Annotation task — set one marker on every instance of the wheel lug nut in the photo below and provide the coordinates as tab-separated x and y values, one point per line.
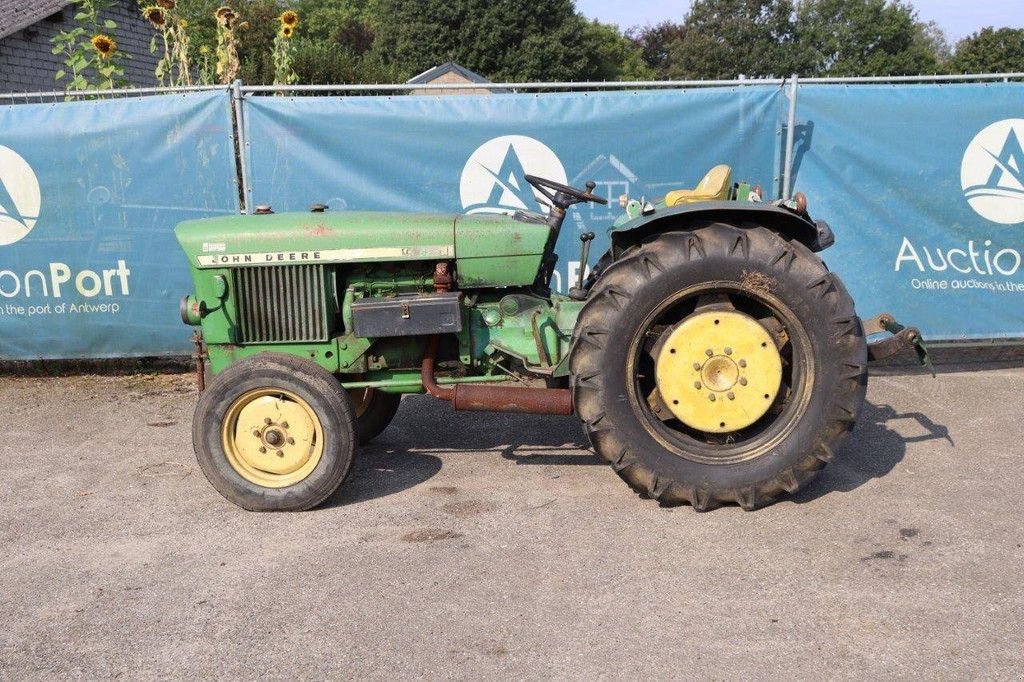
280	453
284	425
256	432
696	366
728	351
743	381
743	363
262	449
268	421
696	385
291	441
709	352
711	397
731	395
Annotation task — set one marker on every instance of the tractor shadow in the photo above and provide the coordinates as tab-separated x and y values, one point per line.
426	430
872	450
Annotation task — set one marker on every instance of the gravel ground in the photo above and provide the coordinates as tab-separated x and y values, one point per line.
480	545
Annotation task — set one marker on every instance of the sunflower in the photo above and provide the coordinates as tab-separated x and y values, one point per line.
203	49
183	23
167	4
225	16
154	15
290	18
287	31
103	44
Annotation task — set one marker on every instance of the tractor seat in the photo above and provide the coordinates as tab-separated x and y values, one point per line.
714	186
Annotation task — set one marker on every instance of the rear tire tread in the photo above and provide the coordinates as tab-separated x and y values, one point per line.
621	279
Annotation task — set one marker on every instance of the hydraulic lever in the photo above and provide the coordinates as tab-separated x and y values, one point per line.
577	293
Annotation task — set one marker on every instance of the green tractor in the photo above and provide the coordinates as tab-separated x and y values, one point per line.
711	355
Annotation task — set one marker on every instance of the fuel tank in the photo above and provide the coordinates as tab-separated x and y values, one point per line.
498	250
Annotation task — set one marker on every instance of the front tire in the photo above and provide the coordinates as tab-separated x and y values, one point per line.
658	436
275	432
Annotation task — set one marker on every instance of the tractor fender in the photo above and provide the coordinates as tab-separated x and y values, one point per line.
815	235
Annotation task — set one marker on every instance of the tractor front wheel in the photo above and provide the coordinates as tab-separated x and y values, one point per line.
275	432
719	365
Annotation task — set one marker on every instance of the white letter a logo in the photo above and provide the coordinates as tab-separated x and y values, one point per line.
19	197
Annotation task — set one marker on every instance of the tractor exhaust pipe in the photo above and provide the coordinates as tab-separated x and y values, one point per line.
480	398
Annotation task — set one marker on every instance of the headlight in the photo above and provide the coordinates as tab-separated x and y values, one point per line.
192	310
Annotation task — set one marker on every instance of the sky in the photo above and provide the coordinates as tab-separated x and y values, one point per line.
958	18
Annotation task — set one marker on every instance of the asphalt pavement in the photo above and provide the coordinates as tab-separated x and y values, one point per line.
481	545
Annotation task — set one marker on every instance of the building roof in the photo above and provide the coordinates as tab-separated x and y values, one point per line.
18	14
433	74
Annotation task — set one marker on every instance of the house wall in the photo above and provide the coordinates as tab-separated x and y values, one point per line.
26	64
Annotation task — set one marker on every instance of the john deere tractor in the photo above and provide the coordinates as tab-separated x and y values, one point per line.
711	355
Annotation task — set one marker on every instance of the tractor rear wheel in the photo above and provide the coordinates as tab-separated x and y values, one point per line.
719	365
374	411
275	432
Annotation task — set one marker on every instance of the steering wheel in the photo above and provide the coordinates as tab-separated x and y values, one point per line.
564	196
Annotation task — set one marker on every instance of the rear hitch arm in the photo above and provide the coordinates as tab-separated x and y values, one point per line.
902	337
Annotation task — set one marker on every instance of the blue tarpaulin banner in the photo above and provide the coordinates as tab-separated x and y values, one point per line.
457	154
924	187
90	192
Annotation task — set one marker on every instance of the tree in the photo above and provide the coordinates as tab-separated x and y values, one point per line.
990	51
861	38
360	41
610	55
342	22
335	44
504	40
725	38
936	41
655	42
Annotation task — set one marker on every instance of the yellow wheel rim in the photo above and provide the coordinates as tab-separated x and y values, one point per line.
360	400
719	371
272	437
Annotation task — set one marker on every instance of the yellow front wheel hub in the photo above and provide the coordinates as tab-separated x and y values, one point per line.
272	437
719	371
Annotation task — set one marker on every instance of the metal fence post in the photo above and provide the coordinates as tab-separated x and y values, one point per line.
243	144
787	168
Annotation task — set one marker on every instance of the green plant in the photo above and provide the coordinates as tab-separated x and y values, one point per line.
227	65
174	67
91	58
284	49
318	62
325	63
207	73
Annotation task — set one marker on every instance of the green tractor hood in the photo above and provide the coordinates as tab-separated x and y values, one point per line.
490	250
350	237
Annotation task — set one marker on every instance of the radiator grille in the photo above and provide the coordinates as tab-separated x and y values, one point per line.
281	303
